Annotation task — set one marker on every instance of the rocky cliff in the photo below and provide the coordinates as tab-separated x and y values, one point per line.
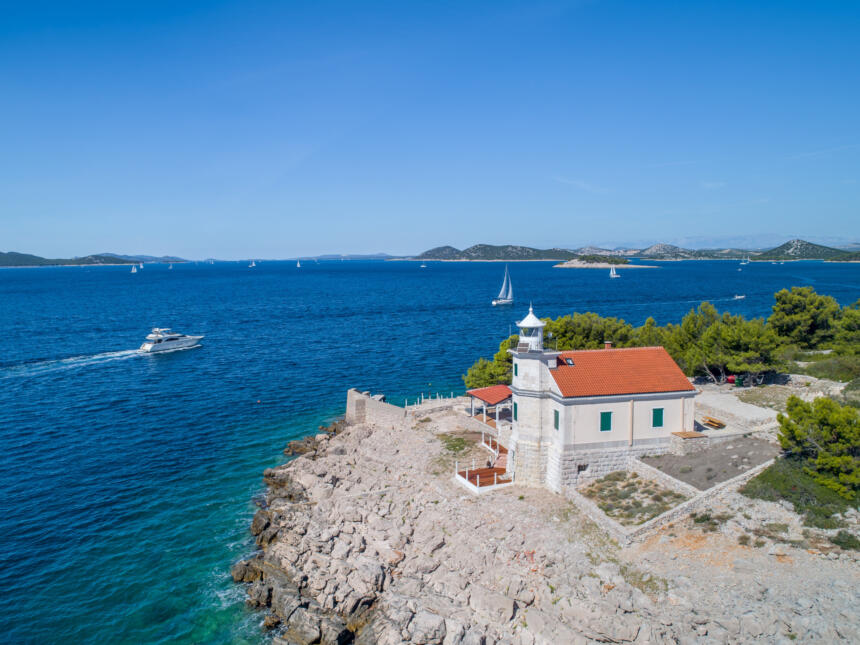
365	538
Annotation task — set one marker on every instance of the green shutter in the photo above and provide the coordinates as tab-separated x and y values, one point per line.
657	417
515	411
555	419
605	421
515	369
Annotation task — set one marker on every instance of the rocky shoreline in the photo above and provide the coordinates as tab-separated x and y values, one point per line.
365	538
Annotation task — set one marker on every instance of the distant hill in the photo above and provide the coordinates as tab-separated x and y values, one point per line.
441	253
666	251
147	258
486	252
596	250
800	250
354	256
512	252
12	259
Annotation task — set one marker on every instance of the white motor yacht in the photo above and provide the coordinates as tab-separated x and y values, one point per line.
163	340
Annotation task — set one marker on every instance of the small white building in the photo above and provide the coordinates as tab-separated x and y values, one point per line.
578	415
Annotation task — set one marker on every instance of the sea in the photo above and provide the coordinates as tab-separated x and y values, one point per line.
127	481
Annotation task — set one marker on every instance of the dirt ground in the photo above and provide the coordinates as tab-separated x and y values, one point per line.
718	463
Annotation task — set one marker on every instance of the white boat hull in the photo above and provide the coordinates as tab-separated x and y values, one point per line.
503	301
169	345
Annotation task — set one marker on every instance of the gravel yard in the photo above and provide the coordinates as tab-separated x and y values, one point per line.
718	463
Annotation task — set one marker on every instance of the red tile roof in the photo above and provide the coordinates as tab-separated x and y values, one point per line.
606	372
491	395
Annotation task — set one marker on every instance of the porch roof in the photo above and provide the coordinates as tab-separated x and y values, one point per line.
491	395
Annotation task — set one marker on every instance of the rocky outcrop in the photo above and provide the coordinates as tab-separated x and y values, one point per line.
366	539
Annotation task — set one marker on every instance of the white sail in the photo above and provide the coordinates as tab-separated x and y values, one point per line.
509	295
506	286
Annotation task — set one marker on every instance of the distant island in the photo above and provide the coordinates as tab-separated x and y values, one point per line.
12	259
792	250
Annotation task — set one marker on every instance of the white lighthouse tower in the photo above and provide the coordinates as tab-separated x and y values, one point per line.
529	384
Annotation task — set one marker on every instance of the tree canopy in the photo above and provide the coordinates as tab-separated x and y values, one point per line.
705	342
825	436
804	317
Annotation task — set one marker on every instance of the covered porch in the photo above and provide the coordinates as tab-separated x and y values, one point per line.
490	405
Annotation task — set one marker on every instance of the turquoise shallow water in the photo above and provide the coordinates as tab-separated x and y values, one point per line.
127	480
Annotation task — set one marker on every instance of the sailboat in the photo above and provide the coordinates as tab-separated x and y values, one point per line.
506	294
423	266
252	265
171	266
141	265
133	268
612	273
298	264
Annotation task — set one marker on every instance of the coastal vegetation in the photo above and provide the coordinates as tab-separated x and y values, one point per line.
713	344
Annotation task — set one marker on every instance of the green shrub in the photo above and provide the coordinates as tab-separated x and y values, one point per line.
453	444
826	437
785	480
844	540
744	539
835	368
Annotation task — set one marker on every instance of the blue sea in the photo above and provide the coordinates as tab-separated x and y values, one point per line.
126	480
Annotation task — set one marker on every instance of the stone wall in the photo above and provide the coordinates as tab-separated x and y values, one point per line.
681	446
530	463
362	408
580	466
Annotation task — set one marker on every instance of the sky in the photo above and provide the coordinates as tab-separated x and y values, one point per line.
280	129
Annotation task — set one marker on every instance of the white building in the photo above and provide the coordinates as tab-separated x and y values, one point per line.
580	414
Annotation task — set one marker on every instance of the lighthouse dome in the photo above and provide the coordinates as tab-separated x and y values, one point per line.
531	321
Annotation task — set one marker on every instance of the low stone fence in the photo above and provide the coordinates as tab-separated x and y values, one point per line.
593	512
667	481
699	501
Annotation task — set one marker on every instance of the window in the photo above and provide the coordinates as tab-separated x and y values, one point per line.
569	361
581	468
555	419
605	421
657	418
515	411
516	372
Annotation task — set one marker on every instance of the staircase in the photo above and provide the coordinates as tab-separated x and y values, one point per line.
502	459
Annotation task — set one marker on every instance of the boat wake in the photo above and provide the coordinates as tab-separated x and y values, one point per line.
59	365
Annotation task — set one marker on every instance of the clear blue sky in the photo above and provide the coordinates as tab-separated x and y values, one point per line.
274	129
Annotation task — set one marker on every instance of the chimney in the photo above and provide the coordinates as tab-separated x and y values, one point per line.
607	344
